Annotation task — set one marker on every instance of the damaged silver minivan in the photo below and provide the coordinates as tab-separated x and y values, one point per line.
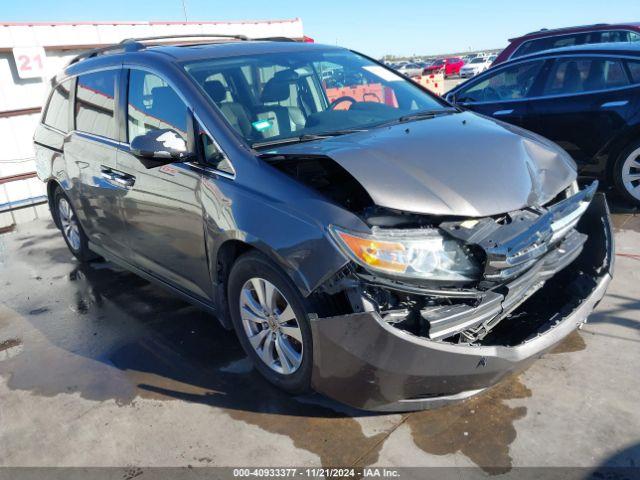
363	237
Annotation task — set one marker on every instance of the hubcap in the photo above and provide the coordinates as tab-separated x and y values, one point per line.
69	224
271	326
631	174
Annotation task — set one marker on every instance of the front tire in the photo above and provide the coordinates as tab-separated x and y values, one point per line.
270	318
626	173
70	227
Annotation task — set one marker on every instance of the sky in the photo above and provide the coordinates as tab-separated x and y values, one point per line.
374	27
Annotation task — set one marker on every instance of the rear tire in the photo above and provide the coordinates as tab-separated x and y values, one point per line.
270	318
69	225
626	173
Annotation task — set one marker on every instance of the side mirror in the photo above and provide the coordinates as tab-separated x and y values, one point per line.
160	147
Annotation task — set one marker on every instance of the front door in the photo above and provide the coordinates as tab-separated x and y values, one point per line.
162	209
502	94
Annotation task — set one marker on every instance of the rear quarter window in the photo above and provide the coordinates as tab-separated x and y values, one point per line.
634	71
57	113
579	38
95	103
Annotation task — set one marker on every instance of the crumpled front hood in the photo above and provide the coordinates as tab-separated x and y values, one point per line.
460	164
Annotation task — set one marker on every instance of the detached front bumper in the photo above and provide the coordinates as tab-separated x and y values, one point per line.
367	363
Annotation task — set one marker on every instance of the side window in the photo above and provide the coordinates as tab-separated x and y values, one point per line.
57	114
510	83
153	104
214	156
533	46
548	43
95	103
634	70
584	75
614	36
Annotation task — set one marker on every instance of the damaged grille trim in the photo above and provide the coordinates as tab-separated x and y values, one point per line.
515	255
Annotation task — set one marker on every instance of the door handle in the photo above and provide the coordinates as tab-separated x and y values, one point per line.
619	103
125	181
122	179
498	113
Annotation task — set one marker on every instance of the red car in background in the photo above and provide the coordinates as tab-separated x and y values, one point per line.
449	66
566	37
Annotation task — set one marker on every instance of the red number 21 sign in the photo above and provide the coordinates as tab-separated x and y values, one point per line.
29	61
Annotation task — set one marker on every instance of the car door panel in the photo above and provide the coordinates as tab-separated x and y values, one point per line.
583	124
585	119
515	112
162	207
88	150
503	94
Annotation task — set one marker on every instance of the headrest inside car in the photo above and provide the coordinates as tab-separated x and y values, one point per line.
277	89
215	89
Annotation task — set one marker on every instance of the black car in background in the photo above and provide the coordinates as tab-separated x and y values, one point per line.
584	98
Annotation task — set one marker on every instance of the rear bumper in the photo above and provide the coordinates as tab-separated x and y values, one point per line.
363	361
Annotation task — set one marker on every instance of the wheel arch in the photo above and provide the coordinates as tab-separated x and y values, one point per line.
52	186
617	146
227	253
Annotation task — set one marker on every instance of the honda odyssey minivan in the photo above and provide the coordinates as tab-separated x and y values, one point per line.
364	238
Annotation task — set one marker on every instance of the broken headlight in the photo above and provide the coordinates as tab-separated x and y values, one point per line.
421	253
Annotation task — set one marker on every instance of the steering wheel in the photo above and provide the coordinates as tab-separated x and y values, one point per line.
339	100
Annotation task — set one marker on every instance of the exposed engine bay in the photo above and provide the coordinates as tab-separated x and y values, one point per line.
532	267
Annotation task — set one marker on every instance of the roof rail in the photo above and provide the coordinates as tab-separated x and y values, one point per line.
125	46
188	35
560	29
135	44
274	39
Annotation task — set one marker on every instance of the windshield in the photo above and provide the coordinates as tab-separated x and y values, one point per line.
478	60
276	96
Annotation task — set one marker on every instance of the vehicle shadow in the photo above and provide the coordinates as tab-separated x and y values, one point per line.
178	351
624	464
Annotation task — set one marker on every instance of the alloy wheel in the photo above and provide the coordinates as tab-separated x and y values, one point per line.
631	174
69	224
271	326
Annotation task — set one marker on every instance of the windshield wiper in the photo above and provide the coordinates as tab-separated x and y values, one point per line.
307	137
424	114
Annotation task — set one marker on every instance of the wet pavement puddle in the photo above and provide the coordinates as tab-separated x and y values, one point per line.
481	428
572	343
107	334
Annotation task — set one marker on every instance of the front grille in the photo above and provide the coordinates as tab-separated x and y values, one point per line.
539	234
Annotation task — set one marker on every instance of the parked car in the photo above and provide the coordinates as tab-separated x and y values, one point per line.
410	69
474	67
313	223
585	98
546	39
449	66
